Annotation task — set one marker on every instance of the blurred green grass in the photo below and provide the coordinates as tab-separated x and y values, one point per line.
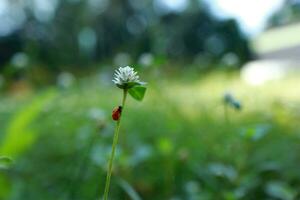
176	144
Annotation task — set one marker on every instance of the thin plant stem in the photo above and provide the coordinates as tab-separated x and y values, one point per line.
114	145
226	114
81	171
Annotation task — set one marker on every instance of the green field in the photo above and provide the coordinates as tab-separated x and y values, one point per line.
178	144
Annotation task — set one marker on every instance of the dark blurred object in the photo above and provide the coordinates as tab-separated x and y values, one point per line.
231	101
9	45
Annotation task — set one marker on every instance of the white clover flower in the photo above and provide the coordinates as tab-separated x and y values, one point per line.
126	77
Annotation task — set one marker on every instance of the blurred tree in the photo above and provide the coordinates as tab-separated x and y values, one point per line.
9	45
289	13
77	33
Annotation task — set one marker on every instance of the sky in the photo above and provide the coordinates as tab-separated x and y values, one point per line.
251	14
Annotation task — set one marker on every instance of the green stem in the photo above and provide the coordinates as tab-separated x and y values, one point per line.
114	145
226	114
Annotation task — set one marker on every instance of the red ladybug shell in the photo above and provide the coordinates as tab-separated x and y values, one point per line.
116	113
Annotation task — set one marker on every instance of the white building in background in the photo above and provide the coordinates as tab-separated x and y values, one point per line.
278	53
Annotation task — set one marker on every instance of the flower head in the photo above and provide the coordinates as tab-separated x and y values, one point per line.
126	77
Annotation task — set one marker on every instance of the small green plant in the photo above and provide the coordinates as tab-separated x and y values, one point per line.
230	102
5	162
126	79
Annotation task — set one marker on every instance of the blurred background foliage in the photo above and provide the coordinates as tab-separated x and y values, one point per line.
202	133
61	34
180	143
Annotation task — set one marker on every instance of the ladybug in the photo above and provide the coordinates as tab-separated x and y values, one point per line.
116	113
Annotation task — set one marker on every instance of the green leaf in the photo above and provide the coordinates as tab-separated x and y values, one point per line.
129	190
5	162
19	125
280	190
130	85
4	159
137	92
